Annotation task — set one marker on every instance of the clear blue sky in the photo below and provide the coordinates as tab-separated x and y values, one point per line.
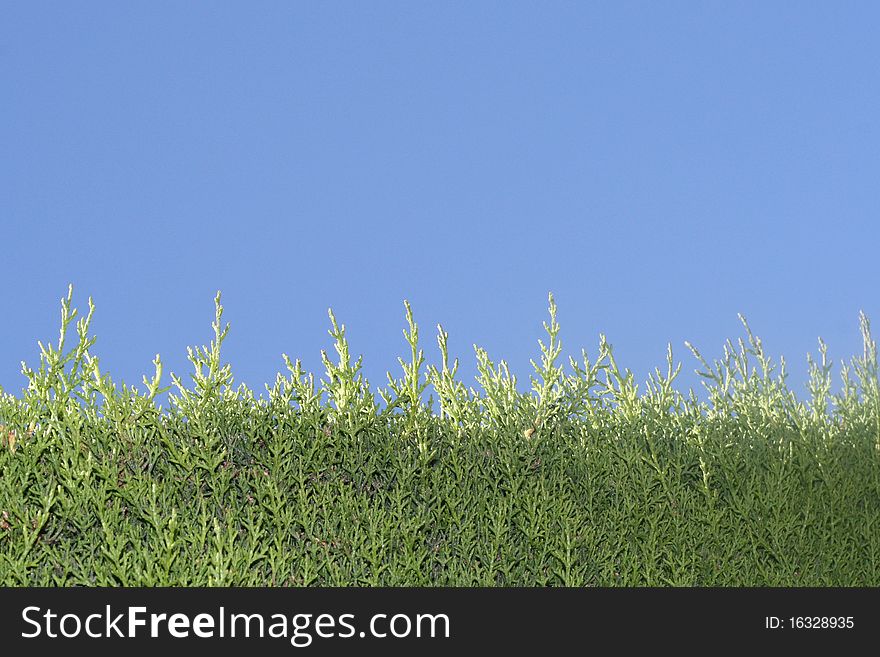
660	167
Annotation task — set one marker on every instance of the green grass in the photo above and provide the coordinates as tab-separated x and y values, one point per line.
581	482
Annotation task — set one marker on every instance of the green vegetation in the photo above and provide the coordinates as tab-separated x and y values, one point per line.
582	482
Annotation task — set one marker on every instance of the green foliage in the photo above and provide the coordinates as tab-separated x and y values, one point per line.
581	482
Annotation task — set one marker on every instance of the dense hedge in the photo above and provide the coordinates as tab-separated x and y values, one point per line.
583	482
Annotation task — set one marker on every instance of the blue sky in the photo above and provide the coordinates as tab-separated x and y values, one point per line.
660	167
